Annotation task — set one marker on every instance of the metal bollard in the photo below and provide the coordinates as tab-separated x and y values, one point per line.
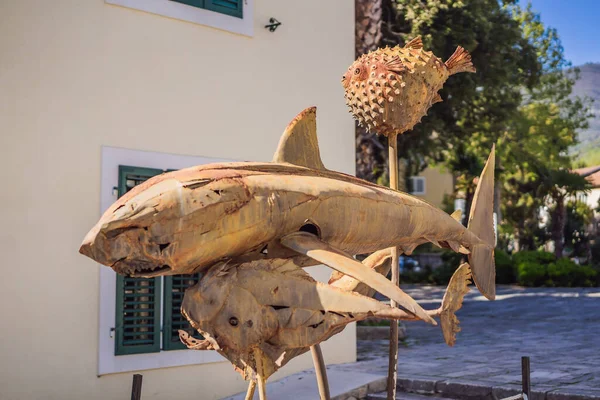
525	381
526	376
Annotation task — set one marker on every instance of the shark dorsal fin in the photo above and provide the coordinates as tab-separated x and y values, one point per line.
298	144
457	215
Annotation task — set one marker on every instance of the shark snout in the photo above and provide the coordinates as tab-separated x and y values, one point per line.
87	246
86	249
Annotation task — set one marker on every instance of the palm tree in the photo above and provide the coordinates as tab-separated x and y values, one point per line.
369	150
561	184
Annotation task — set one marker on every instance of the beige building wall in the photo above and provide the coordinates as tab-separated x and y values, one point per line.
438	182
76	75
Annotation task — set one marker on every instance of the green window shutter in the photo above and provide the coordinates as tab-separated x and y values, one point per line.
137	322
235	8
193	3
230	7
137	327
175	287
129	177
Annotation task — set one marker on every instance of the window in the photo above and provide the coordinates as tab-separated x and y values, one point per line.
139	317
162	345
229	7
230	15
417	185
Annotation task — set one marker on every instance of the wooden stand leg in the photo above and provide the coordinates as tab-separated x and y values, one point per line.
393	356
320	371
262	388
250	392
260	375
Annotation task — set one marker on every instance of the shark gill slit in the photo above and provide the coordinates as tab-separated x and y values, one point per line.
312	228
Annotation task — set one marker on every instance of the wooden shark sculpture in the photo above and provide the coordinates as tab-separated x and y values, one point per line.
252	226
186	221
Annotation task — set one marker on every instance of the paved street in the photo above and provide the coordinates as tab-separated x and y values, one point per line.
558	328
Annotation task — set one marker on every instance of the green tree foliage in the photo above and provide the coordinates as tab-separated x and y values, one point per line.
536	147
520	98
505	267
577	229
536	257
477	108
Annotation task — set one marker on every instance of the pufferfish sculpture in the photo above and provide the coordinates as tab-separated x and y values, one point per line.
389	90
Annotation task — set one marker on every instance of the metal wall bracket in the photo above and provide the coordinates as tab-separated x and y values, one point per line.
272	26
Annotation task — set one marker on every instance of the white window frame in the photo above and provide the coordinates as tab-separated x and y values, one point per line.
108	362
171	9
414	185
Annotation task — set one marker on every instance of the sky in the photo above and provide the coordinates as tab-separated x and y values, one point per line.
578	26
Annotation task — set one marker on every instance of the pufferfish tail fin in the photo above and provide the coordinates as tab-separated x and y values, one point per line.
460	61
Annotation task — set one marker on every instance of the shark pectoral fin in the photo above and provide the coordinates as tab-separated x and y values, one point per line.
452	302
380	262
298	144
311	246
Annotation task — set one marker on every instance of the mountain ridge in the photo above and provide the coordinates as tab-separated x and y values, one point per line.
588	85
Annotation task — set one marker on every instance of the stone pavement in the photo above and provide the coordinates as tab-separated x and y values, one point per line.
558	328
344	383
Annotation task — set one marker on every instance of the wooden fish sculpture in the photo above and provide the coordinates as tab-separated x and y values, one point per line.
261	314
389	90
251	227
186	221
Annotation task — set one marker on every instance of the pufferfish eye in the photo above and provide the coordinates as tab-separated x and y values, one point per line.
357	71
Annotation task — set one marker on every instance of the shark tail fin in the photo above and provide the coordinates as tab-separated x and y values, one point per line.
452	302
481	223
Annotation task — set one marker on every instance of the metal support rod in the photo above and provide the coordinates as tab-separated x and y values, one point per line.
526	376
393	359
251	388
320	371
136	387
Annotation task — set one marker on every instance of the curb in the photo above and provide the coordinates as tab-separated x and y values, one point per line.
363	392
469	391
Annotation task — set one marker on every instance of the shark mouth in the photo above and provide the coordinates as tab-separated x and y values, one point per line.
139	268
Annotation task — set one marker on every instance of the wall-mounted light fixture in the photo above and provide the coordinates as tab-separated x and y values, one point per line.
273	24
